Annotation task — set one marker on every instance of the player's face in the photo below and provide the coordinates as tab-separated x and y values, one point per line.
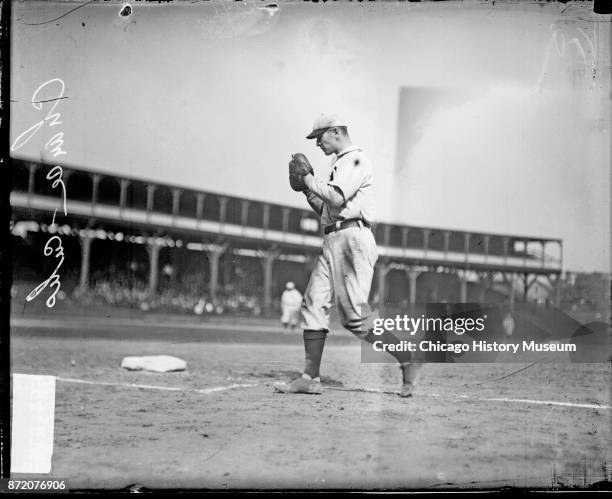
327	142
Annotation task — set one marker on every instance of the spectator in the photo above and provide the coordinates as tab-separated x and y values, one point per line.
124	288
291	301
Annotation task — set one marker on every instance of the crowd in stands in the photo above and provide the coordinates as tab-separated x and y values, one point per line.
187	295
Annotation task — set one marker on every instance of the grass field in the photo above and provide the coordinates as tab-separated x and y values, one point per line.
220	425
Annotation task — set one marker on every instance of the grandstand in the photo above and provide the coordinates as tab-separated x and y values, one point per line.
166	228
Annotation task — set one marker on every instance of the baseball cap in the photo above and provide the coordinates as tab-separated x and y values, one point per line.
324	122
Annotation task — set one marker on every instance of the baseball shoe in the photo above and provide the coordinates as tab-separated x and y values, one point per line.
305	384
407	388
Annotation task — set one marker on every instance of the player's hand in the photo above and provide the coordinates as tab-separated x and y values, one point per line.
299	167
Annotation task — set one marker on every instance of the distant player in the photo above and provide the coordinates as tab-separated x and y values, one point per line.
508	324
344	270
291	302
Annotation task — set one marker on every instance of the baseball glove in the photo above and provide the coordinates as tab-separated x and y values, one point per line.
298	168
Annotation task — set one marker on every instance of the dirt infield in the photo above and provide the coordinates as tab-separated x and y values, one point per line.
450	435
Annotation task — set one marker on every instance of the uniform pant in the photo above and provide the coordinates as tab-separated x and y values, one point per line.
342	276
290	315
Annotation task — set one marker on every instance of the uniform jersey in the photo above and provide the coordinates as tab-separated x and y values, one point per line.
352	175
291	298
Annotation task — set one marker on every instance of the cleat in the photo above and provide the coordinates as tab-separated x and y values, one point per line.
406	390
409	372
300	385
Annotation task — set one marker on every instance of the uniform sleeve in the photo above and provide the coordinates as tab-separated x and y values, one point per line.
327	192
351	176
315	202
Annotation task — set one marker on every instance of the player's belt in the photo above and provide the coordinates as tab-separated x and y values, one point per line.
345	224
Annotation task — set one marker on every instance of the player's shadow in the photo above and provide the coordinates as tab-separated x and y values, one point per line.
283	375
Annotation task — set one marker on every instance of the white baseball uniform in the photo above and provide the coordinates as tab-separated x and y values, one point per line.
344	269
291	301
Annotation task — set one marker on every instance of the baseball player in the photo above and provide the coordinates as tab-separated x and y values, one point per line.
291	301
344	269
508	324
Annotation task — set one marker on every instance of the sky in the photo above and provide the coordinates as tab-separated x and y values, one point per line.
492	118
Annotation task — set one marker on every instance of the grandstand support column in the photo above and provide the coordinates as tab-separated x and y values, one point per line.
387	235
222	209
228	269
484	279
153	249
244	213
124	184
446	244
481	287
511	283
31	177
214	252
150	198
426	233
176	200
506	241
412	274
266	217
200	205
527	284
555	283
94	193
466	249
85	238
436	290
405	231
269	256
463	288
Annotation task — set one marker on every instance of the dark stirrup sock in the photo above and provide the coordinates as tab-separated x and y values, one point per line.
314	341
